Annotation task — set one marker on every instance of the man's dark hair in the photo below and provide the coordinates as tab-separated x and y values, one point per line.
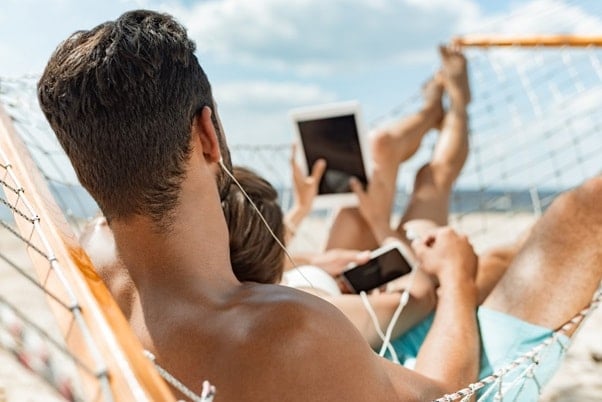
121	99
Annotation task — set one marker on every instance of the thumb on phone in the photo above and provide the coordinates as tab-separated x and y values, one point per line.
362	257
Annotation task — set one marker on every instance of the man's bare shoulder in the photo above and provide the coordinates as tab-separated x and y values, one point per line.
286	309
273	343
310	346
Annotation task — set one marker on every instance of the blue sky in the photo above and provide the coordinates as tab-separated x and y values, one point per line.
267	56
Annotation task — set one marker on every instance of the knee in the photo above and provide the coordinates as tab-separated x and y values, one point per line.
435	176
589	198
593	187
382	142
583	201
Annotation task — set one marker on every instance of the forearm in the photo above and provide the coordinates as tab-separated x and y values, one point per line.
296	215
293	219
384	306
381	230
450	353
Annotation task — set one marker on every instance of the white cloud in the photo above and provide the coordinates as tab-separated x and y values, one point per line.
315	36
269	94
543	17
540	17
261	107
284	41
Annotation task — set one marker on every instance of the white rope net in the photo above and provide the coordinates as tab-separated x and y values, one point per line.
39	345
535	132
53	316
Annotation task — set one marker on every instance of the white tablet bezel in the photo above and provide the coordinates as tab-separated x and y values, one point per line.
324	111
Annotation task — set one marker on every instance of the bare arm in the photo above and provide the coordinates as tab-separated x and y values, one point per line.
453	338
451	261
376	202
454	333
422	297
323	357
305	189
384	305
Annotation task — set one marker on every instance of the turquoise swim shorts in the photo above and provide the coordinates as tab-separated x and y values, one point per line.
503	339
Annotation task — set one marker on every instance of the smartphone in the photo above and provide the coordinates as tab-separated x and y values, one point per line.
386	264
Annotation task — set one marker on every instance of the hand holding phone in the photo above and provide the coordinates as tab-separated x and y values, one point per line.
386	264
446	256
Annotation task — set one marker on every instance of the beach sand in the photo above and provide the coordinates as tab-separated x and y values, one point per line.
18	384
579	379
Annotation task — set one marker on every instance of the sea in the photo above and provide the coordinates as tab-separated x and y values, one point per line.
76	203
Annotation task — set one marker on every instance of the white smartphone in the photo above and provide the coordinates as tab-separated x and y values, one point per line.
386	264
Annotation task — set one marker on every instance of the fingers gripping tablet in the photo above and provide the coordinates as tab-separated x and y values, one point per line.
333	132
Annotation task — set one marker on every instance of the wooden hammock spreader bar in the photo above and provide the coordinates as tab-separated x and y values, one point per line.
129	374
527	41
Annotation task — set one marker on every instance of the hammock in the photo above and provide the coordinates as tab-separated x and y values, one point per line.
88	352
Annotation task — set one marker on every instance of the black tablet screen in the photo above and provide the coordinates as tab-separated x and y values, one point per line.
336	140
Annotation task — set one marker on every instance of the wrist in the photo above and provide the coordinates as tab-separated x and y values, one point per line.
381	230
466	290
295	215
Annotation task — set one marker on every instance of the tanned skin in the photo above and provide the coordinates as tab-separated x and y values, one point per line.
259	342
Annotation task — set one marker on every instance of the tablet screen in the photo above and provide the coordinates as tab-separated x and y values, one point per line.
336	140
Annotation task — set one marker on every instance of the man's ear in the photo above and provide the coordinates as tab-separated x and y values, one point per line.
204	130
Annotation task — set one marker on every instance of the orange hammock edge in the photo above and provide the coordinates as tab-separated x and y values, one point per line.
493	40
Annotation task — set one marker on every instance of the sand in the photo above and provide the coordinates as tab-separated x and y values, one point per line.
579	379
18	384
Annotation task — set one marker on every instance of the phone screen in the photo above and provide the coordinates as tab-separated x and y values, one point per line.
336	140
378	271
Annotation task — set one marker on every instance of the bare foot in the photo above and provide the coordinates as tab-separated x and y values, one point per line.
398	142
455	76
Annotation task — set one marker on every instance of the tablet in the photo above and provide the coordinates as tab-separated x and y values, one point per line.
335	133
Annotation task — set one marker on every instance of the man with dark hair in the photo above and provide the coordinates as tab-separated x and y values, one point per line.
134	112
139	78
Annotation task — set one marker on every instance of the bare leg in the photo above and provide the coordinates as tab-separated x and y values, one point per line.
390	147
560	266
397	143
434	181
494	262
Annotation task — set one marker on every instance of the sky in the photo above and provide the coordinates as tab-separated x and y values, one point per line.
265	57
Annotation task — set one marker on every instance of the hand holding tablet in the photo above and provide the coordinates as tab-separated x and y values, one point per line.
333	132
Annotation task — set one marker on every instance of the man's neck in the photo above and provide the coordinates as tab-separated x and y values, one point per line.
191	259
